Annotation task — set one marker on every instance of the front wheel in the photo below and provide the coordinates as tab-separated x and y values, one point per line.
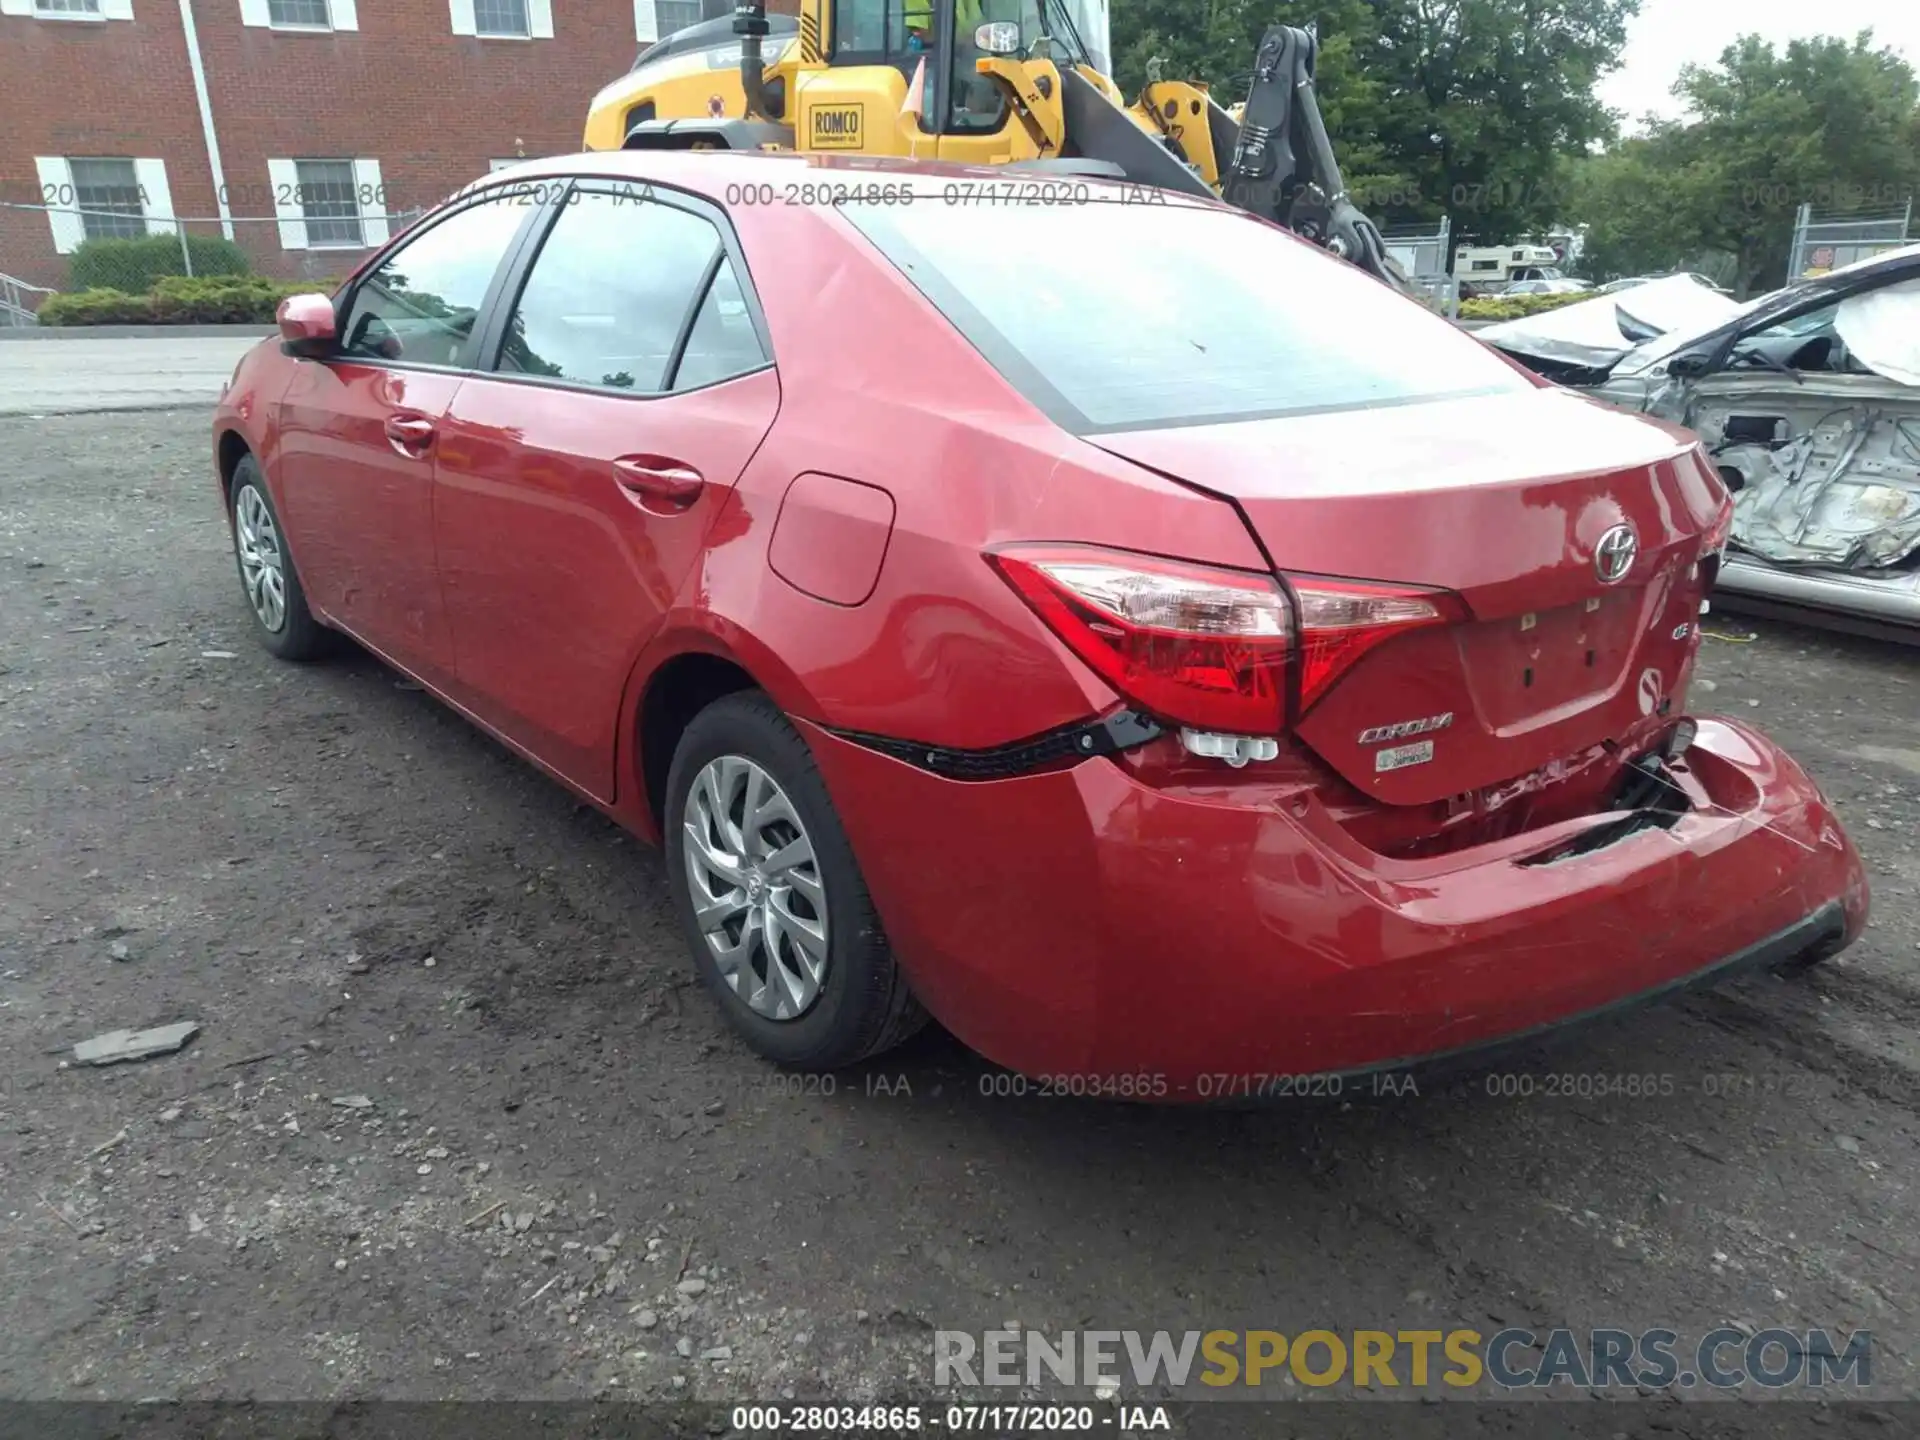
782	928
272	586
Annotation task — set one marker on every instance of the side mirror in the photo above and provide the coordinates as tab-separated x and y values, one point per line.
1000	37
306	326
1690	365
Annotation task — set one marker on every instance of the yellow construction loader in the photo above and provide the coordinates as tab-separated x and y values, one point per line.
1022	83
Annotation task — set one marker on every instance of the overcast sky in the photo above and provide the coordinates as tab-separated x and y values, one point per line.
1670	33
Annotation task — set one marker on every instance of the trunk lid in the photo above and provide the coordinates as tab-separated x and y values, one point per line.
1504	501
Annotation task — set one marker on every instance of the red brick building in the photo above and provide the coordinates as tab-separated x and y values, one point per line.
295	127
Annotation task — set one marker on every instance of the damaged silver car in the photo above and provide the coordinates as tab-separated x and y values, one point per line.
1809	401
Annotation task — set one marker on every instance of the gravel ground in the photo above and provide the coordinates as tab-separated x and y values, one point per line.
459	1124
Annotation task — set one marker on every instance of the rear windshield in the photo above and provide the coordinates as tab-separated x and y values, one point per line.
1114	316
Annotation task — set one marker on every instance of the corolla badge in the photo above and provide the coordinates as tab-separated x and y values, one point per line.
1379	735
1613	557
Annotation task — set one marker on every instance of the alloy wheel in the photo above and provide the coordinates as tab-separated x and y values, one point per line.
756	888
256	540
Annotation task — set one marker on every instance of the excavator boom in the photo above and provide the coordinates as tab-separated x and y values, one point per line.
802	86
1283	165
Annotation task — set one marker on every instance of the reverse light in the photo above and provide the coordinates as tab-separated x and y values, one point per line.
1202	646
1205	647
1235	750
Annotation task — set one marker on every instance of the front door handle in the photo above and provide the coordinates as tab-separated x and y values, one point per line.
411	435
658	483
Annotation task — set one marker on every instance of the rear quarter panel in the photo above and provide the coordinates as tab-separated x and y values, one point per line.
878	389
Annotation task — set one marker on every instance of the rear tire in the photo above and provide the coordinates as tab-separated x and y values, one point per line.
744	802
268	580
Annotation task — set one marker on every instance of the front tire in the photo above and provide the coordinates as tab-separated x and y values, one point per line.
782	928
268	580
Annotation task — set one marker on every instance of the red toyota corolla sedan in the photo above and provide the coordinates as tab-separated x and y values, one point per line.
1148	644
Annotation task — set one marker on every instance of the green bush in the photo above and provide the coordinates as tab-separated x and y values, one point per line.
221	300
1512	307
179	300
96	307
133	265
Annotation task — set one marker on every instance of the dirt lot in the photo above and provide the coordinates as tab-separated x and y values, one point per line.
458	1123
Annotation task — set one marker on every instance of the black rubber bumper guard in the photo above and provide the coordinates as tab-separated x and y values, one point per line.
1121	730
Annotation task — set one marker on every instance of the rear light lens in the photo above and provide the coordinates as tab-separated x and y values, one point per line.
1713	549
1208	647
1341	620
1718	533
1189	643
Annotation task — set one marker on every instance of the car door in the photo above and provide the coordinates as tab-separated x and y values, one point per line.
630	381
1818	446
354	462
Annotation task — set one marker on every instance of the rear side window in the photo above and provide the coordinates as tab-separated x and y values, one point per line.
419	306
723	342
611	293
1113	316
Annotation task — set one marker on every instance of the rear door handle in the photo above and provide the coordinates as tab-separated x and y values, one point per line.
658	483
410	434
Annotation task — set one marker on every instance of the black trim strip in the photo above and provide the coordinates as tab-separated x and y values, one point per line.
692	317
1121	730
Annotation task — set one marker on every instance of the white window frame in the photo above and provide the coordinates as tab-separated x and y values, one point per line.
341	15
109	10
283	180
55	173
646	21
539	21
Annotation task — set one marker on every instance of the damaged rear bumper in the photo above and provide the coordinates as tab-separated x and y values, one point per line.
1082	923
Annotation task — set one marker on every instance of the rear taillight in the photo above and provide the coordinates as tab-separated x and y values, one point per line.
1189	643
1341	620
1208	647
1713	549
1719	532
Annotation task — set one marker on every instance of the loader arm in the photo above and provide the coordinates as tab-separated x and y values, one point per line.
1275	161
1281	164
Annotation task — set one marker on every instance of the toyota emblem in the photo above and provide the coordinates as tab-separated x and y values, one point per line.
1613	557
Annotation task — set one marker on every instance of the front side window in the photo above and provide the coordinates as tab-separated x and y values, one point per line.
301	14
107	195
1112	316
882	29
501	17
330	202
611	293
420	305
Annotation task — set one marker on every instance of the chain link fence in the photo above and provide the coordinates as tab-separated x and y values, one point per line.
1825	243
1426	258
175	268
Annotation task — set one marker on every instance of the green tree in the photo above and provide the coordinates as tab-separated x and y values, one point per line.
1461	107
1827	122
1214	42
1487	99
1623	200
